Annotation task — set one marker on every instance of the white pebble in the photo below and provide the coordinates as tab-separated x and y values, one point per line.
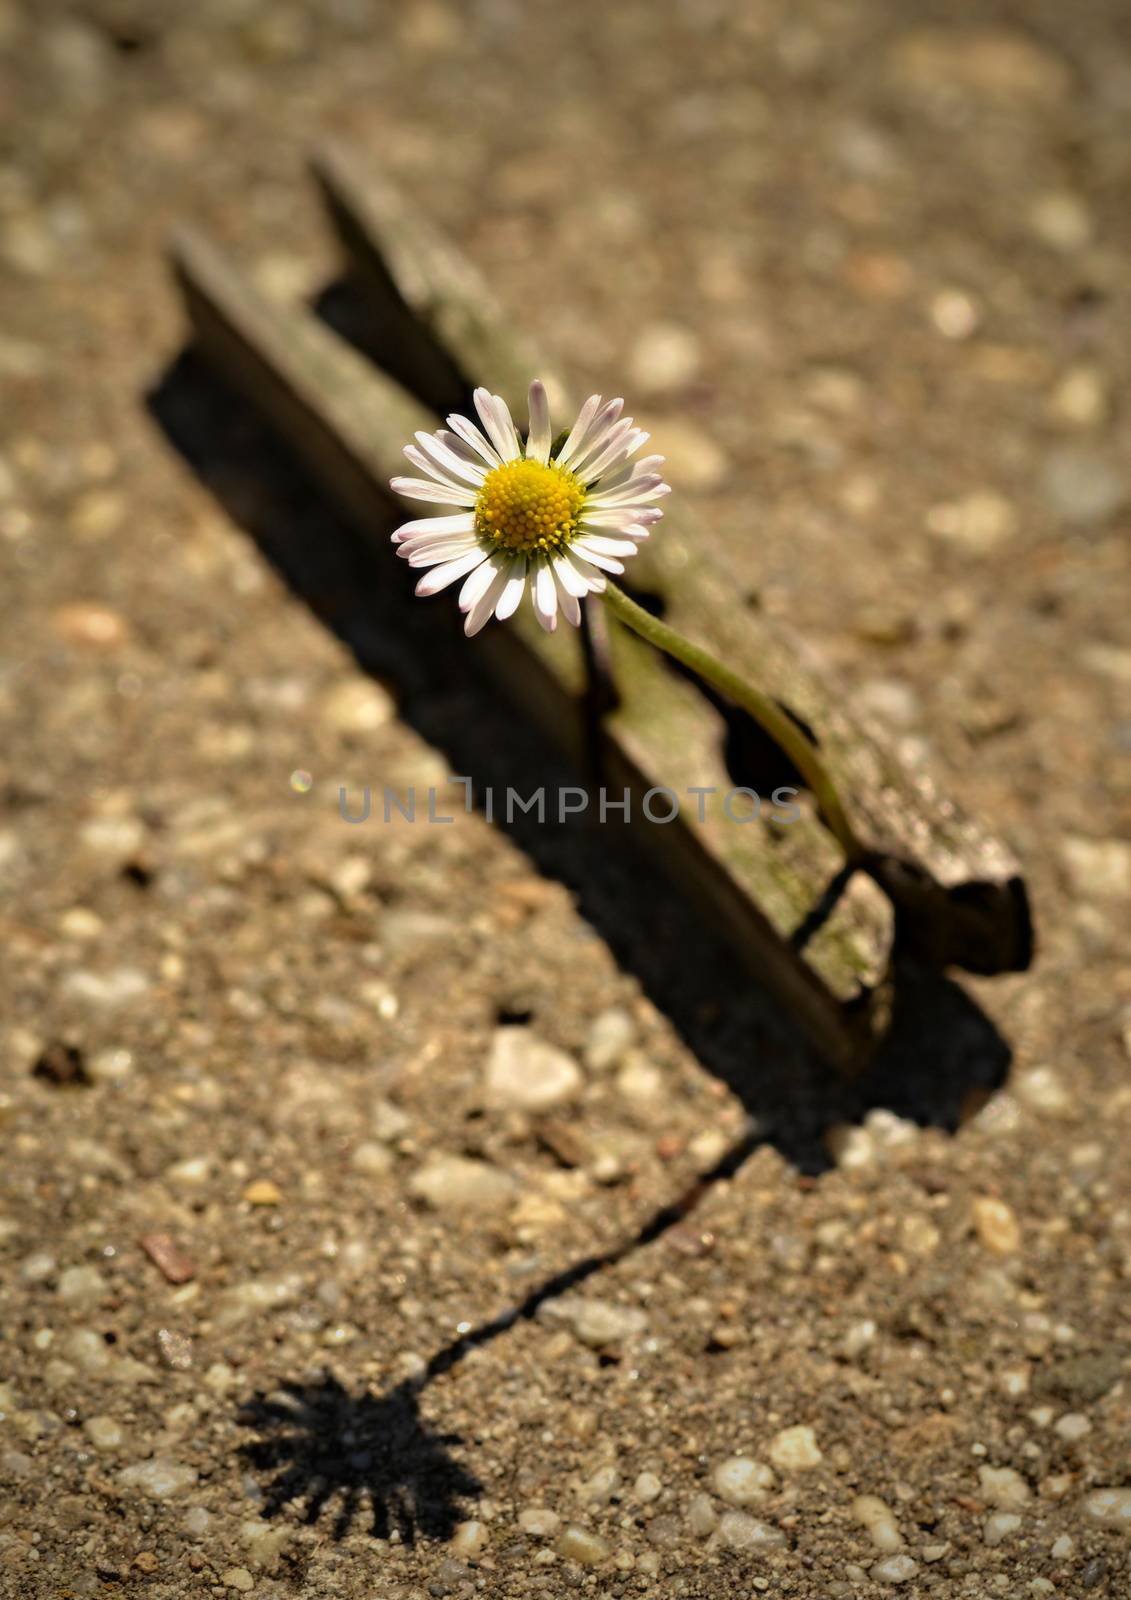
999	1527
738	1531
458	1183
610	1035
103	1432
1003	1487
742	1482
34	1268
1063	1547
1072	1426
598	1323
702	1518
576	1544
895	1569
666	357
601	1487
647	1488
525	1073
355	705
996	1225
80	1283
469	1540
539	1522
795	1449
1111	1508
159	1477
190	1173
371	1159
877	1517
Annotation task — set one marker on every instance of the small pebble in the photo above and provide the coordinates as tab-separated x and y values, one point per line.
191	1173
525	1073
576	1544
742	1482
795	1449
1082	487
458	1183
175	1349
77	1284
693	458
601	1323
1004	1487
167	1256
91	626
666	357
1000	1526
262	1192
1111	1508
702	1518
371	1158
469	1540
979	522
610	1035
539	1522
1061	220
1099	869
895	1569
1082	398
161	1478
1073	1426
996	1225
357	705
647	1488
878	1519
740	1531
238	1578
600	1488
103	1432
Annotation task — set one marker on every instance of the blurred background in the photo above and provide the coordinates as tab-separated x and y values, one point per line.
866	270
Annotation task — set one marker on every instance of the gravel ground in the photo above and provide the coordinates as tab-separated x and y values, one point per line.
335	1158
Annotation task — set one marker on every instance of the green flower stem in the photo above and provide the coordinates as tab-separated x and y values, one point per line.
766	712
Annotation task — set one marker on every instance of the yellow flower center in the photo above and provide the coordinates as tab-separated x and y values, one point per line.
524	506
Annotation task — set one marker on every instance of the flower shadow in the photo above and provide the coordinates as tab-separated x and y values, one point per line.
359	1455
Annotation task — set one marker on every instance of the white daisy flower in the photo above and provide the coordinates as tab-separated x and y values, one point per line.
558	518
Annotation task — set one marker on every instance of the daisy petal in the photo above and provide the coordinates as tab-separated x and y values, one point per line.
476	586
596	580
472	437
545	596
580	428
496	418
514	590
440	494
431	555
486	605
448	571
605	546
570	608
422	464
606	563
618	445
539	439
568	576
597	438
462	522
448	462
